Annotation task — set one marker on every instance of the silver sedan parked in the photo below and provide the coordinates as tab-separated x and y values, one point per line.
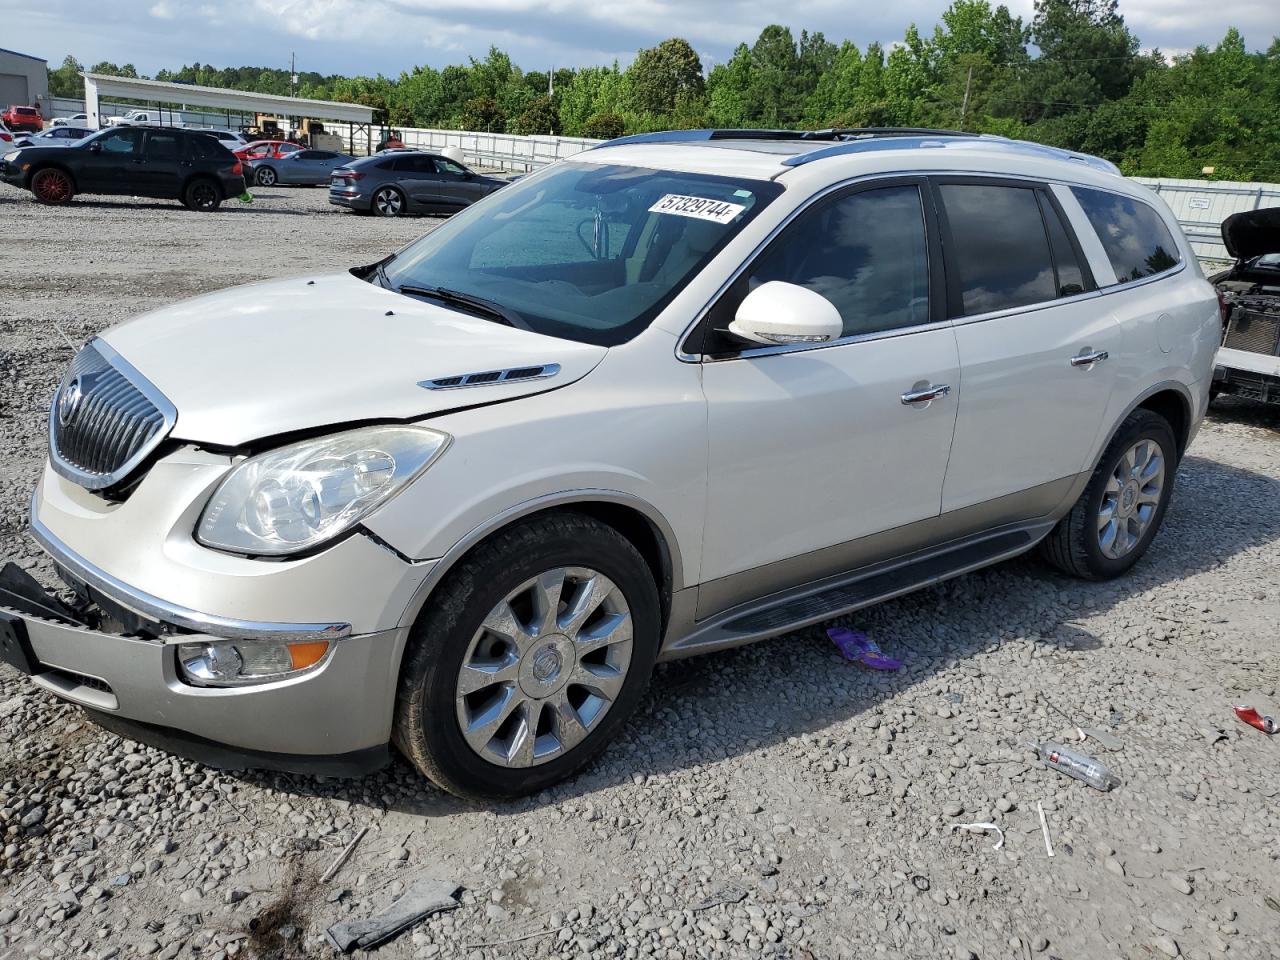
397	182
300	167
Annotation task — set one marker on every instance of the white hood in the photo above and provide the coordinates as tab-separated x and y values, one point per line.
269	358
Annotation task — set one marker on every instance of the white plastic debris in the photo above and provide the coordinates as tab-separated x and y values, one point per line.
981	828
1044	827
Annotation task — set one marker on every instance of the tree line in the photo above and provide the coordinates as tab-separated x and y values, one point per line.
1075	77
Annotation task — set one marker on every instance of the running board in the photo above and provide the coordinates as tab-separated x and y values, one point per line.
813	603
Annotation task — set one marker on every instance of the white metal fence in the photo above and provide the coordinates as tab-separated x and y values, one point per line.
1202	205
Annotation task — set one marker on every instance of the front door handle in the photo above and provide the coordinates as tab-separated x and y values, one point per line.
918	394
1089	359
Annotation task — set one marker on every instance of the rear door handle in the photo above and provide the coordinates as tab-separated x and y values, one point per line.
1089	359
932	392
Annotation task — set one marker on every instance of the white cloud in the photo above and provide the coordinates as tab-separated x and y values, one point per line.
162	10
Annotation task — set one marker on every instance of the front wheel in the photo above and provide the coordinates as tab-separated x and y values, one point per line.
266	177
52	186
530	657
1116	518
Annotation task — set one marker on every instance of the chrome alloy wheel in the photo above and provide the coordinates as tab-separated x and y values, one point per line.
388	202
1131	498
545	667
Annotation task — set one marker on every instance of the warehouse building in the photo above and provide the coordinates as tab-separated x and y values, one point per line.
24	79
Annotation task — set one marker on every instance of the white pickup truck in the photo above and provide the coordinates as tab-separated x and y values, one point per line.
142	118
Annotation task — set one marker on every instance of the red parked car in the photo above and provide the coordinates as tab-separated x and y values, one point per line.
266	150
23	118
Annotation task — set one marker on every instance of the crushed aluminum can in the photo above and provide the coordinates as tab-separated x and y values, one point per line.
1253	718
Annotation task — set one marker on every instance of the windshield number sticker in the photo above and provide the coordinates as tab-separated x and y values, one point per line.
700	208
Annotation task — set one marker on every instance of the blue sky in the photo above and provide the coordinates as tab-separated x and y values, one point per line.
388	36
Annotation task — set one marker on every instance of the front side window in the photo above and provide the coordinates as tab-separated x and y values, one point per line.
1135	237
866	252
119	142
589	252
998	254
448	166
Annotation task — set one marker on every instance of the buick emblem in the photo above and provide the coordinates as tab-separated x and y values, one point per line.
69	401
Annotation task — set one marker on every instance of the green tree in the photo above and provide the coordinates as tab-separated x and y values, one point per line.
65	81
661	77
540	117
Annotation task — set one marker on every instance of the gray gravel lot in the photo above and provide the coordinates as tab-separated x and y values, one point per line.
769	801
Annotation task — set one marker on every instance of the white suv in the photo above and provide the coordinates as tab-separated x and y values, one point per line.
681	392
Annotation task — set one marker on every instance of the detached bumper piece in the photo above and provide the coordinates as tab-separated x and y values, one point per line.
1247	384
331	721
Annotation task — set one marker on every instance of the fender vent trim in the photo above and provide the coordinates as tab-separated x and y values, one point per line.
490	377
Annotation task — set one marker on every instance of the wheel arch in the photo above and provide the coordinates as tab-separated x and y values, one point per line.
1170	399
638	521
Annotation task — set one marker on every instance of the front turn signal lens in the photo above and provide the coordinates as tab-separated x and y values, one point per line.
304	655
235	663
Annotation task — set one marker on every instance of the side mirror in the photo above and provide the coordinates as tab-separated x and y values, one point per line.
781	313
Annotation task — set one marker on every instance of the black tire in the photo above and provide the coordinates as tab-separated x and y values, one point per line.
1074	546
265	177
427	728
52	186
388	202
202	195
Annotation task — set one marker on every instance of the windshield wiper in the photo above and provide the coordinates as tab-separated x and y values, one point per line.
488	308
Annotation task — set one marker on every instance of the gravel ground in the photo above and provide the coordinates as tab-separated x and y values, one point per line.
768	801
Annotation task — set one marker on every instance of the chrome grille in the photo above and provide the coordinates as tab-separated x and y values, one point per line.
105	418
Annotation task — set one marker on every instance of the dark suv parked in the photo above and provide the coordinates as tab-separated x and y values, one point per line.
161	162
407	181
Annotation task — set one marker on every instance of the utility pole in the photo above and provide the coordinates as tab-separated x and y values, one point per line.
551	83
964	107
293	75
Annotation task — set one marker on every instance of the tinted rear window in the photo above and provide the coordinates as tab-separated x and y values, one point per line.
208	147
1135	237
999	249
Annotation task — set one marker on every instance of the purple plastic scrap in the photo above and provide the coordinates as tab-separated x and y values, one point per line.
855	646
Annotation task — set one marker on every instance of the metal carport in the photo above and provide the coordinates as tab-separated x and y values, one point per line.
98	86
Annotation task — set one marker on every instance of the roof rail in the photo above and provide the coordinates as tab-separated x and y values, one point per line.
961	141
834	134
840	141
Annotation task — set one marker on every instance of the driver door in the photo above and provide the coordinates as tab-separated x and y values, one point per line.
813	449
113	166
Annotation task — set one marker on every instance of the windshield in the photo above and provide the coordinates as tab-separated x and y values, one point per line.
584	251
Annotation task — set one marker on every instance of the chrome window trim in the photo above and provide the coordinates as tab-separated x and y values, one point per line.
95	481
153	608
753	352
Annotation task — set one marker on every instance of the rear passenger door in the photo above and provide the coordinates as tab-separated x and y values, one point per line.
161	169
1035	344
458	185
418	178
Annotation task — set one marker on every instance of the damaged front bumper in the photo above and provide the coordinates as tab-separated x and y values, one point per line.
132	685
116	649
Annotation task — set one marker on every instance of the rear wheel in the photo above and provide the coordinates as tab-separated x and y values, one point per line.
1116	518
52	186
388	202
202	195
266	177
530	657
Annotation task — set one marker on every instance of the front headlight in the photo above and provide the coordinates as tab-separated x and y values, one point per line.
11	156
301	495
